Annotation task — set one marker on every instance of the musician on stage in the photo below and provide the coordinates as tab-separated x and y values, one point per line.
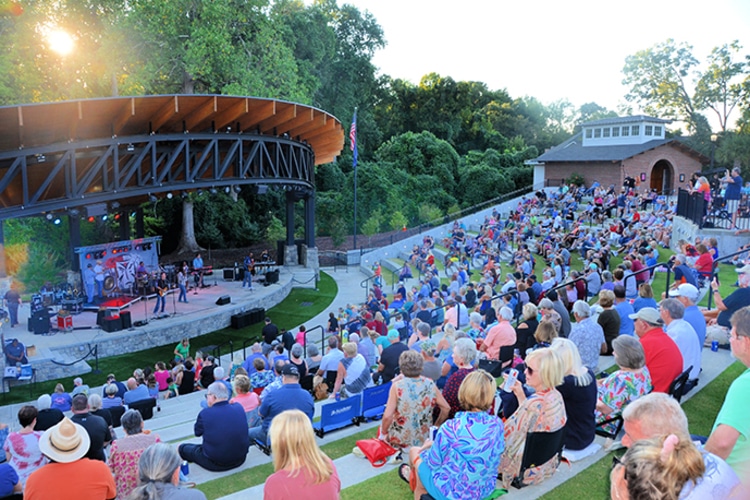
249	270
198	268
99	276
182	281
161	293
89	282
141	278
265	256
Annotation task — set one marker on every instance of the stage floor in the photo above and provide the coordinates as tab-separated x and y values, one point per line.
85	330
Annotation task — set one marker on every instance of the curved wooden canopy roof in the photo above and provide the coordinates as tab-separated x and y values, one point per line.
35	125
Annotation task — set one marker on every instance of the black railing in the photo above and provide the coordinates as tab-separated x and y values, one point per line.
246	343
322	338
563	285
722	259
216	350
335	258
691	206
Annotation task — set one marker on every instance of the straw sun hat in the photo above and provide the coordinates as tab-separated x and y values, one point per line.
65	442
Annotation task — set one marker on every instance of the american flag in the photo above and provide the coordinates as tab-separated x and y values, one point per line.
353	139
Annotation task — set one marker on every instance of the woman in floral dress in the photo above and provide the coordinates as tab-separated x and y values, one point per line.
22	447
543	411
627	384
408	412
126	451
261	377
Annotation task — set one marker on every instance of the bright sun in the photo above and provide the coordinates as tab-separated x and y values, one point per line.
60	42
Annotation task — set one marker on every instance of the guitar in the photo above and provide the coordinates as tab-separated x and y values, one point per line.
162	291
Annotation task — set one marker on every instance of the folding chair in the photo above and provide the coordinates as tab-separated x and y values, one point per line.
677	387
338	415
540	448
373	402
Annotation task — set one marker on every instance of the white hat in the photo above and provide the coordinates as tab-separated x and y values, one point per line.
65	442
685	290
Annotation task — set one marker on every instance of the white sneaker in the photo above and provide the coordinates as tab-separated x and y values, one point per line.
396	459
357	452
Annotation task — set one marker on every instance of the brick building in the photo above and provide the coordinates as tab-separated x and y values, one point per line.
609	150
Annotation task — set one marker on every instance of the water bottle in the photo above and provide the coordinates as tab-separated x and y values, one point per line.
185	469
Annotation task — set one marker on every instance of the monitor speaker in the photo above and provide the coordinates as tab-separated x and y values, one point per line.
224	299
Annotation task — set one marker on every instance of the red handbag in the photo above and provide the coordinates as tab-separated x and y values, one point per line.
376	451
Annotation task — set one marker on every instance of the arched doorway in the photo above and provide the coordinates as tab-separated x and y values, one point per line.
662	177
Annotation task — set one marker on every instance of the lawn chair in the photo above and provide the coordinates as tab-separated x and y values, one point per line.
677	387
539	449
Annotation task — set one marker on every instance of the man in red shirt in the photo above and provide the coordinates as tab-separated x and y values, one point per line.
663	357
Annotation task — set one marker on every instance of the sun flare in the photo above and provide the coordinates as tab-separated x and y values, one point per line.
60	41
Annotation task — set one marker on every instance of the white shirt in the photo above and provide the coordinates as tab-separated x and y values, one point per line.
686	339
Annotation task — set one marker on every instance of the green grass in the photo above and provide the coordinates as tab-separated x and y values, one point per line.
299	306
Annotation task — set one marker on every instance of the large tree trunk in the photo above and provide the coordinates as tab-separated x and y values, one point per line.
187	238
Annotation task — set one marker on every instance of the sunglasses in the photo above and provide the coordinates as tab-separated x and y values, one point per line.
529	370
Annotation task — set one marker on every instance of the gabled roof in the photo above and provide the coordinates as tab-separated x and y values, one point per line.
625	119
573	150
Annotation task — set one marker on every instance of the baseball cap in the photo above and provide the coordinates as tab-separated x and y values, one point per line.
290	370
649	315
685	290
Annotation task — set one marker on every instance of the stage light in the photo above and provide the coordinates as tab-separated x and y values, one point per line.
117	216
115	204
104	217
200	192
91	218
152	198
131	148
41	158
88	256
237	189
227	189
49	216
170	195
184	195
213	191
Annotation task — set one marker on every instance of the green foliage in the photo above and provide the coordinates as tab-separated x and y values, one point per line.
398	221
575	178
720	87
275	230
429	213
44	265
223	223
372	224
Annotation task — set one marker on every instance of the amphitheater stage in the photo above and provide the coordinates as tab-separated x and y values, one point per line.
61	352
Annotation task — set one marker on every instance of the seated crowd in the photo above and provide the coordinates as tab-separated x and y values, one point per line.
442	347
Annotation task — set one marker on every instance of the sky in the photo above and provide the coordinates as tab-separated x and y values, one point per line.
547	49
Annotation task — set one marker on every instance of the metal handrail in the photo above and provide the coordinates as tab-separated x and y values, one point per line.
322	338
217	349
715	265
563	285
246	343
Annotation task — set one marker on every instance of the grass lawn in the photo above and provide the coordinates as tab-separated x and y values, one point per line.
299	306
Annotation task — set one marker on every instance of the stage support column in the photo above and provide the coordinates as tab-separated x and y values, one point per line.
3	270
124	225
139	228
290	249
309	250
74	228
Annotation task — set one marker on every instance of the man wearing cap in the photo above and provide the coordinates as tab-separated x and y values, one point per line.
96	427
390	356
672	312
69	475
290	396
730	436
663	357
688	295
738	299
223	427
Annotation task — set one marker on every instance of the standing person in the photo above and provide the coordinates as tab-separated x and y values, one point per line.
89	283
269	332
161	293
159	476
182	350
729	436
223	427
249	265
198	269
298	463
733	192
182	283
69	475
99	277
663	358
12	302
22	447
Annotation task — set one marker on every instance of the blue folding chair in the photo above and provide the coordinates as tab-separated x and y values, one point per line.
373	402
338	414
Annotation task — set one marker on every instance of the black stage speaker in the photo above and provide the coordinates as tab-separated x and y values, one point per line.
224	299
39	322
228	274
100	315
272	277
112	324
241	320
257	315
126	321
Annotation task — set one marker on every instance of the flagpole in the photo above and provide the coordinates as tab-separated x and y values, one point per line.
353	140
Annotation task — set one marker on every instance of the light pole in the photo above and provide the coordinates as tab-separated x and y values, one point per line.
714	138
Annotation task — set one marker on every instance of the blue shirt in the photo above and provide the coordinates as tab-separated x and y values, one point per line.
694	316
624	309
287	397
248	364
223	427
138	394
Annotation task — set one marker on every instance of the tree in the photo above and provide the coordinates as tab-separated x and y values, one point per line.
658	80
188	243
719	87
